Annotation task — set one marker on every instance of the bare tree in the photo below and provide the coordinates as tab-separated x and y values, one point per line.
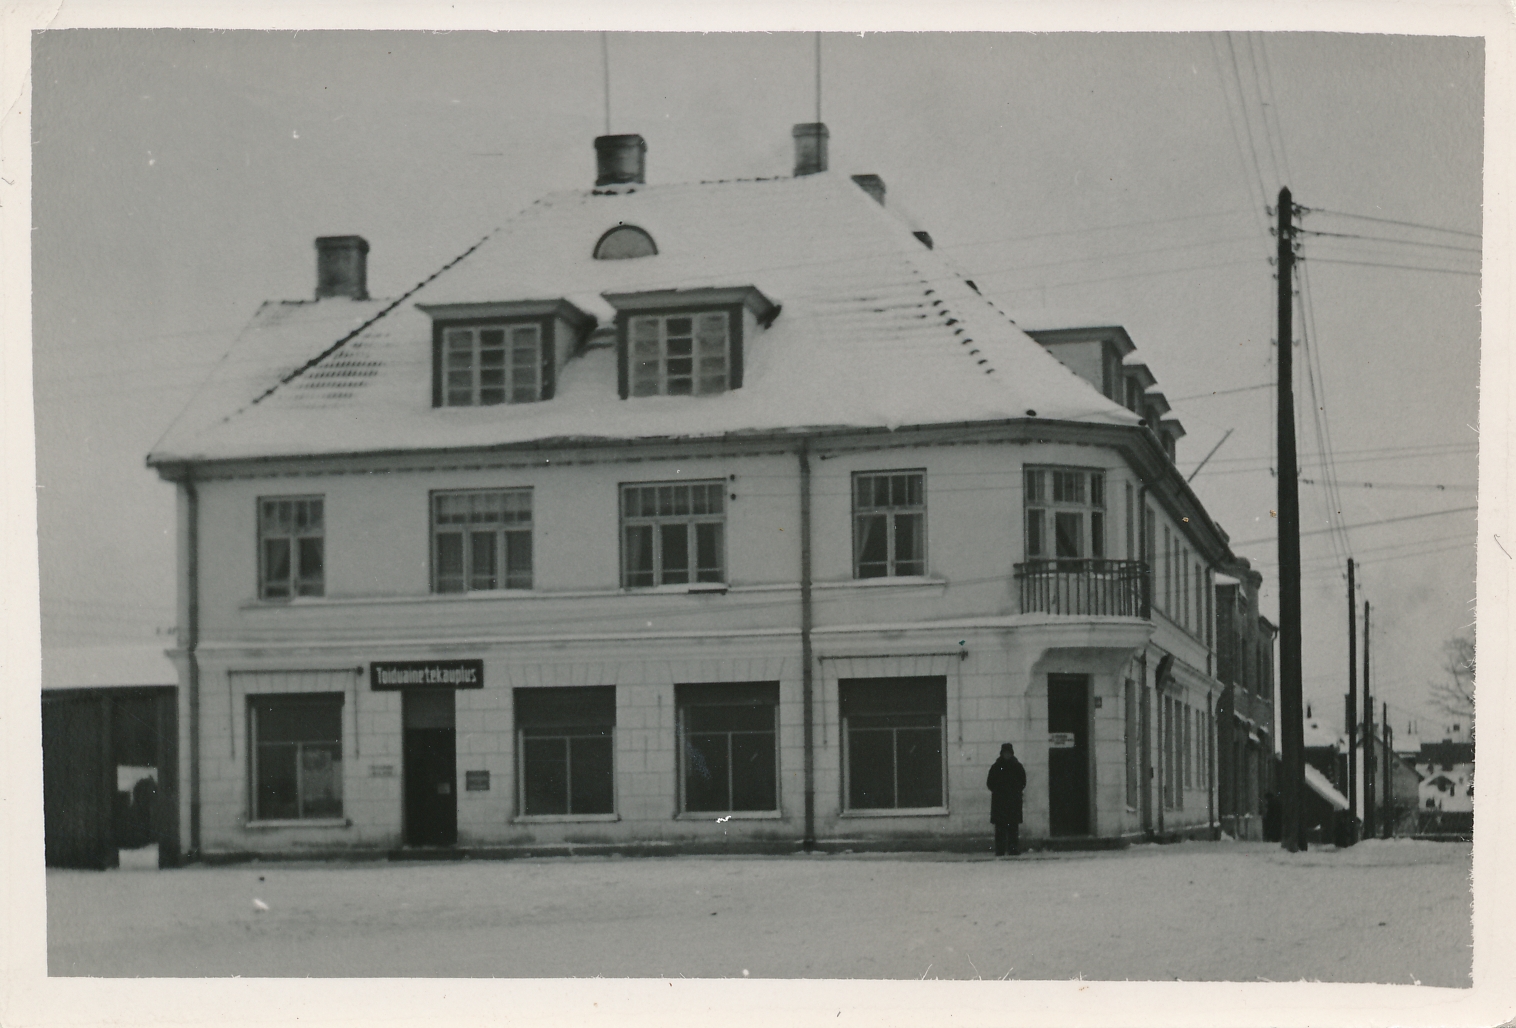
1454	694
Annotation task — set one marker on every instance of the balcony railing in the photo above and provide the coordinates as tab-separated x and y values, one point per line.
1085	588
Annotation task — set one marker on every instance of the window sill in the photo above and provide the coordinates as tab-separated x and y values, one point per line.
903	812
731	815
676	590
562	819
306	822
898	582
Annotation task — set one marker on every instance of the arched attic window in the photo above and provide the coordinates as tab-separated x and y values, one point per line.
623	242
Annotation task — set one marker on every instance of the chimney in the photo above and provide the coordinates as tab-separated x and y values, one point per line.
342	267
620	159
872	185
810	147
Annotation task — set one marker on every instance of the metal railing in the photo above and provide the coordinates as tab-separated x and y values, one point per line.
1086	587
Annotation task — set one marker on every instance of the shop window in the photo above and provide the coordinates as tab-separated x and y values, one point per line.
565	750
481	540
673	533
892	737
296	756
291	547
1065	513
728	747
889	524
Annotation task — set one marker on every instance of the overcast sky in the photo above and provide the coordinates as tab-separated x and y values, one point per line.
180	178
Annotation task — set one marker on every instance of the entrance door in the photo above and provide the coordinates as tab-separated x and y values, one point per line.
1068	754
431	770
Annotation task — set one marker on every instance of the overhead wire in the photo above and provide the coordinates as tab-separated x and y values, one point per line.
1393	221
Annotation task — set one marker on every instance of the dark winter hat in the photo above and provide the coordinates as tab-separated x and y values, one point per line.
1006	749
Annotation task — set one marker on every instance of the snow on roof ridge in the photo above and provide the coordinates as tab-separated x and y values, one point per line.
302	369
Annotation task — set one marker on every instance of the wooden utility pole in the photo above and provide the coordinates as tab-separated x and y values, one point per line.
1292	825
1368	734
1352	719
1388	821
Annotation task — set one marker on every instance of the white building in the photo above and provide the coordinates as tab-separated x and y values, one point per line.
682	517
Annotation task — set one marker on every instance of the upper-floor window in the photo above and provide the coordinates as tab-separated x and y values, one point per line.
680	354
1065	513
673	533
291	547
489	364
889	524
623	242
481	539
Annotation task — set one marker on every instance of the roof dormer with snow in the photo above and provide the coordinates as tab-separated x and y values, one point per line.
629	311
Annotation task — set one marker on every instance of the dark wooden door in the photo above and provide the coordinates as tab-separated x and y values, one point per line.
1068	754
431	769
78	783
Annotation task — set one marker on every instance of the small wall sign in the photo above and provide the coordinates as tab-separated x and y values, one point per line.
476	781
426	674
1060	740
381	770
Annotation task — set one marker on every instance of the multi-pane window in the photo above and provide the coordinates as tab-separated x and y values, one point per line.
565	748
889	524
673	533
481	539
728	752
296	756
291	547
679	354
892	737
1065	513
489	364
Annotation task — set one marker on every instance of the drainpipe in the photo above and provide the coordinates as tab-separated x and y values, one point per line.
807	677
1210	764
1145	797
191	641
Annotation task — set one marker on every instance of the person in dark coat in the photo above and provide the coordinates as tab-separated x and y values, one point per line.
1006	780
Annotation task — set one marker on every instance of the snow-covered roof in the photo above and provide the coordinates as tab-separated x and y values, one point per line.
1322	786
875	330
73	667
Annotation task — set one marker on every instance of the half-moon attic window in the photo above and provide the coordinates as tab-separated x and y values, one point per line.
625	241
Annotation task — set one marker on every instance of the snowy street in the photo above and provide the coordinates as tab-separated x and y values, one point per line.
1390	912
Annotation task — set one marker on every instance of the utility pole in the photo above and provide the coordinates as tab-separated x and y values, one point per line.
1352	718
1292	729
1368	734
1388	821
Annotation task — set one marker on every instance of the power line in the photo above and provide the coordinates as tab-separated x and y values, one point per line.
1387	239
1403	267
1220	392
1366	524
1392	221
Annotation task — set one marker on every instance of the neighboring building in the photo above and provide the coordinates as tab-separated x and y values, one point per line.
712	516
1447	776
1245	709
110	768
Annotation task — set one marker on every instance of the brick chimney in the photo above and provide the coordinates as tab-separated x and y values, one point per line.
620	160
342	267
810	147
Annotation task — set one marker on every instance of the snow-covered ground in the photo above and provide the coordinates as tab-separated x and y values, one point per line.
1393	912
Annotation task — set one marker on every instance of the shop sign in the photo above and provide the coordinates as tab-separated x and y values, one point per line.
476	781
1060	740
381	770
426	674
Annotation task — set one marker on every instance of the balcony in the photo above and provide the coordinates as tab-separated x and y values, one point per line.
1085	588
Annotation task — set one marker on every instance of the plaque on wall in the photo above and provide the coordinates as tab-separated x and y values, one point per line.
476	781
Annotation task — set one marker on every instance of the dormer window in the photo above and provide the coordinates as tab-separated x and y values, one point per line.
680	355
685	342
486	354
624	242
491	364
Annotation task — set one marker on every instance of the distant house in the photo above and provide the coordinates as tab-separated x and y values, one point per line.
723	515
1447	776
